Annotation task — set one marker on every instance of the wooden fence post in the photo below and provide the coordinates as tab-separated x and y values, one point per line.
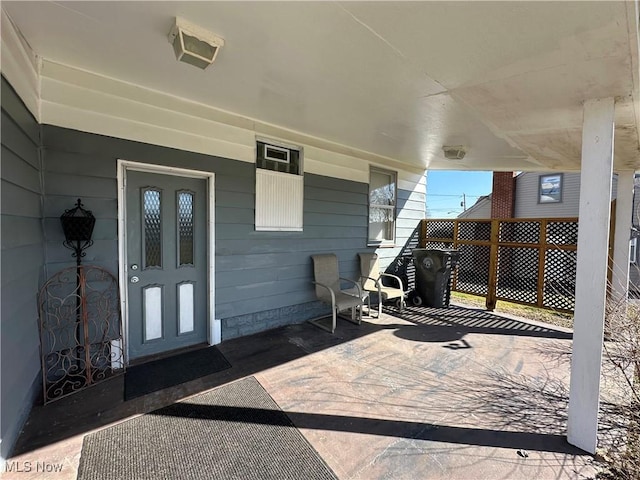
542	258
423	233
454	245
612	240
493	266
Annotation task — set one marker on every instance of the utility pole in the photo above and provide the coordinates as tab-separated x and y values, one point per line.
463	204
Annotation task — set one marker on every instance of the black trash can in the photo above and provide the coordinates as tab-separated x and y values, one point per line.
433	276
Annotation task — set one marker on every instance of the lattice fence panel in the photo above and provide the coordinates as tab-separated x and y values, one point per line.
518	274
520	232
479	231
518	258
560	279
439	245
562	233
440	229
472	274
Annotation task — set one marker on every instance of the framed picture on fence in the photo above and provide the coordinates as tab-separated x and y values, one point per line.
550	188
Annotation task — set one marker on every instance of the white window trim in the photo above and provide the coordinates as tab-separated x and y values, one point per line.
383	243
633	251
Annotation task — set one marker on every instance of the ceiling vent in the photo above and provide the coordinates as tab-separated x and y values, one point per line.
193	44
454	152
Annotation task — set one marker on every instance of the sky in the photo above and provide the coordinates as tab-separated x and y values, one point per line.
447	189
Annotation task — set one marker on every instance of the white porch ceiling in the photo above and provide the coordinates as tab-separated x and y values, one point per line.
398	79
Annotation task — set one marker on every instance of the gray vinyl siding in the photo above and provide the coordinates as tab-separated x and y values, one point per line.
256	272
22	260
527	206
262	271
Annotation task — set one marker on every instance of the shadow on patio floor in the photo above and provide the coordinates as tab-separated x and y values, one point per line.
466	320
381	379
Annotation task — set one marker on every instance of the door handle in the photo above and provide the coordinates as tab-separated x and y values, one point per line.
134	279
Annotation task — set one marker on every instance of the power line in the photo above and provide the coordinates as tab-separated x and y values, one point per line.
451	195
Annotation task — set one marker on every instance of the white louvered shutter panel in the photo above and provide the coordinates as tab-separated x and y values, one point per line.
279	201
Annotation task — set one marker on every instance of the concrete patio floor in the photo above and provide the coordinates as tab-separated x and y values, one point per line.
430	394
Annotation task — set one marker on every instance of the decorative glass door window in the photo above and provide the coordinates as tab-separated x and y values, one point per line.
185	228
152	227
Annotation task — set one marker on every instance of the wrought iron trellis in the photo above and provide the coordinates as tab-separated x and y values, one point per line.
80	330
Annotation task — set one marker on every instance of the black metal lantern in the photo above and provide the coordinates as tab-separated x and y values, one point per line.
77	225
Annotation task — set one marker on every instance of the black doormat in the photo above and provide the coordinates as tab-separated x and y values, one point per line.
171	371
233	432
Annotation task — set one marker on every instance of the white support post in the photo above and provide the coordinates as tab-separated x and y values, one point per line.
591	273
624	207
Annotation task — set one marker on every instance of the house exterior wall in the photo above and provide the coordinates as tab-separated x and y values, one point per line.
527	206
87	123
22	260
263	279
526	199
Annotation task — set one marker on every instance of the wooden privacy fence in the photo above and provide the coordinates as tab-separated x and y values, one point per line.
530	261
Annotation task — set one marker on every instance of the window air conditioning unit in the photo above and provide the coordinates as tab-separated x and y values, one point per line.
277	154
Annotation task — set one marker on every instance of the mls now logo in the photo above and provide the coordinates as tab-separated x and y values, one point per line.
29	467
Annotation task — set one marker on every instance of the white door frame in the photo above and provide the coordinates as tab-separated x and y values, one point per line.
213	324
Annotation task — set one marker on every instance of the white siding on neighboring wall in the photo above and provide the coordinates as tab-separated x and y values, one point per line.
527	205
480	209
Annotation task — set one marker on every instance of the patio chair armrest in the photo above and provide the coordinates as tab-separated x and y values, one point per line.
376	282
333	295
396	278
356	284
